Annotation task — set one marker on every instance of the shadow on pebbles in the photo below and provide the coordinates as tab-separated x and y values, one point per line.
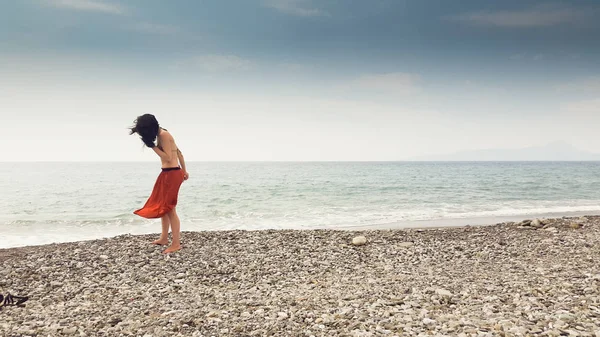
536	278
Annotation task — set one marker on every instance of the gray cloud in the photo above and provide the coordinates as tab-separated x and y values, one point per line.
88	6
294	7
588	85
538	16
527	56
216	63
391	83
153	28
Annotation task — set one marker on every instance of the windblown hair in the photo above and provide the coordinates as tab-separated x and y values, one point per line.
147	127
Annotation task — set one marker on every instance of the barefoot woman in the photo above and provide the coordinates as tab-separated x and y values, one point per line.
162	201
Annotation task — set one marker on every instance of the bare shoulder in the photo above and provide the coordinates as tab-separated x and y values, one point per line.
165	135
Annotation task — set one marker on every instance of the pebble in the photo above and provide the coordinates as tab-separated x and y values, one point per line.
428	321
472	281
70	331
443	292
359	240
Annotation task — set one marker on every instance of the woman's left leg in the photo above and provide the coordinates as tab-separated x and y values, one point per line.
175	232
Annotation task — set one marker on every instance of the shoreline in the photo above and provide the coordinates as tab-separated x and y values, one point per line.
475	221
403	225
508	279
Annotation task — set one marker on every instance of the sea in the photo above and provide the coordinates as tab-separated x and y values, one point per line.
42	203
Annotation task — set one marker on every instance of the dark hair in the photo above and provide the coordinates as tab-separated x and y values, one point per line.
147	127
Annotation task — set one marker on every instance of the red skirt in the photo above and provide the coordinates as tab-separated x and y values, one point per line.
164	194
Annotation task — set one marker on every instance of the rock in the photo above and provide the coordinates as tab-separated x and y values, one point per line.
428	321
406	244
70	331
552	229
575	225
537	223
26	332
359	240
566	317
104	257
443	292
282	315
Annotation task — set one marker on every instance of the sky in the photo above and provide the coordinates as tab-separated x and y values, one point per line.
297	80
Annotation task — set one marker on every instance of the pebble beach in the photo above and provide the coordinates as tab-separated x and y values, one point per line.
539	277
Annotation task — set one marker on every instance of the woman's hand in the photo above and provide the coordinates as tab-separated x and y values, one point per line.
186	175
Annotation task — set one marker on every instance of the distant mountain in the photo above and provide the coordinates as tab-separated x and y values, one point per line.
557	151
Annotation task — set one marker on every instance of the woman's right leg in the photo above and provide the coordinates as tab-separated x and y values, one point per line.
164	235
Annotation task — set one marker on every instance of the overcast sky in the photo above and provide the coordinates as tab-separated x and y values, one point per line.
297	79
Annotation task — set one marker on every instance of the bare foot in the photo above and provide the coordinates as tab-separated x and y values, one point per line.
172	249
161	242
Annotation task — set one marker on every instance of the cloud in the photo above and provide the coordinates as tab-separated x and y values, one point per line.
88	6
527	56
538	16
393	83
294	7
153	28
588	88
589	85
586	107
295	67
217	63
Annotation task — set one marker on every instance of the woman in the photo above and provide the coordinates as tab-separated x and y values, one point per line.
163	200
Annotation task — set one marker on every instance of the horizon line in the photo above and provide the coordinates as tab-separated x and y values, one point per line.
301	161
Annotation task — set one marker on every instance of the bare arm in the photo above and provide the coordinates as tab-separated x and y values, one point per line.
186	175
181	160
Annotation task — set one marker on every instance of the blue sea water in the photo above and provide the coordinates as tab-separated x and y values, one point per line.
57	202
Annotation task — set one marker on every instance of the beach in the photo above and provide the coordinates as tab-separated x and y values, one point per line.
509	279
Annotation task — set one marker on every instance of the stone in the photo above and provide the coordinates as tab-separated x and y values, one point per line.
213	313
359	240
70	331
443	292
406	244
428	321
